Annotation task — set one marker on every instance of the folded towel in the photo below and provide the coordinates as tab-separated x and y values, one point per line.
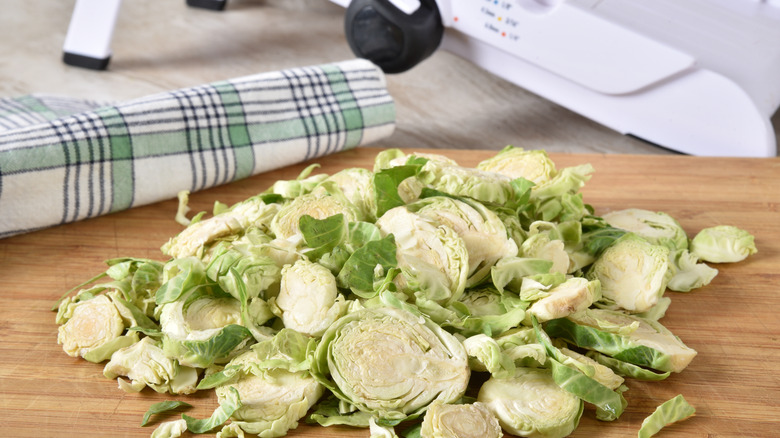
63	160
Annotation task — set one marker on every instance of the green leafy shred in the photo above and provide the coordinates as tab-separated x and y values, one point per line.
162	407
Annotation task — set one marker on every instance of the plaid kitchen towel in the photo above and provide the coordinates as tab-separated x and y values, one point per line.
63	160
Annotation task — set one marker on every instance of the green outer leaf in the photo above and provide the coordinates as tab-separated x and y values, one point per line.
271	198
154	333
328	412
597	240
670	411
508	273
141	319
627	369
610	403
386	184
360	233
105	351
322	235
358	271
219	346
190	273
611	344
218	378
164	406
229	405
522	191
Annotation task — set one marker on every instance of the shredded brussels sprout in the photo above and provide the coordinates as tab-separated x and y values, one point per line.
387	298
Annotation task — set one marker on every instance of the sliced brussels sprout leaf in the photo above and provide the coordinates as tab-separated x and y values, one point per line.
309	300
668	412
180	276
482	231
509	272
455	317
483	186
257	270
163	407
568	180
533	165
322	235
687	273
57	307
647	343
484	311
632	272
170	429
303	184
184	208
602	373
657	228
390	363
191	241
584	378
395	157
331	411
486	355
468	420
368	264
146	364
573	295
487	301
203	328
432	258
203	353
387	183
272	404
357	184
627	369
287	350
378	431
610	404
587	369
723	244
658	311
595	239
532	404
228	404
332	241
273	383
286	223
542	246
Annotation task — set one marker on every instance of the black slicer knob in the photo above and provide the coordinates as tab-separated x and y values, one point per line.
385	35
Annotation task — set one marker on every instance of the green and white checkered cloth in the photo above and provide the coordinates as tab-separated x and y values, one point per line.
63	160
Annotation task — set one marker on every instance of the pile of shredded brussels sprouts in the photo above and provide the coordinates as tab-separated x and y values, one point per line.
421	298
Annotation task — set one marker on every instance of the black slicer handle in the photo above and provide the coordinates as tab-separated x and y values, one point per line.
380	32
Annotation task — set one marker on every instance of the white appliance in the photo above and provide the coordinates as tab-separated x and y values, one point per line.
700	77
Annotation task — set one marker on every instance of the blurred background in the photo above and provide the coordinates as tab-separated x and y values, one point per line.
159	45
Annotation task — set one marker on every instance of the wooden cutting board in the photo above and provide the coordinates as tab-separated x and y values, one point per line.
734	323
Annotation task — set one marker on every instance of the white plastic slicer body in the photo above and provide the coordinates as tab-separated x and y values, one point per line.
700	77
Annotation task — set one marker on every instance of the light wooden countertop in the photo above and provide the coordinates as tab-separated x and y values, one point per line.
732	322
445	102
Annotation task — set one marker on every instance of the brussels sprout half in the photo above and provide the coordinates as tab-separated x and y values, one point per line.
390	363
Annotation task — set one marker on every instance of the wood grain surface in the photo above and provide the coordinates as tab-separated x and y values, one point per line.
733	323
